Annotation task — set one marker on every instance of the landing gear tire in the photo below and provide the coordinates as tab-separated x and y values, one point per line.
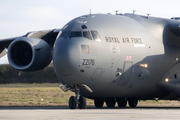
82	103
98	103
122	102
72	102
133	103
110	102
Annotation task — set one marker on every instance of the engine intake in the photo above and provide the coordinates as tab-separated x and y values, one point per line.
29	54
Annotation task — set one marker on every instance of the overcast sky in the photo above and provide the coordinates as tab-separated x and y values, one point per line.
17	17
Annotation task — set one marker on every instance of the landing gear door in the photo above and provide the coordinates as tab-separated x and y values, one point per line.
127	70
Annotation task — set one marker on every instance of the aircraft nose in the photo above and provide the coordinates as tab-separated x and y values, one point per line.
66	57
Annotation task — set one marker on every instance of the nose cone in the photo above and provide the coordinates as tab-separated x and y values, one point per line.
66	57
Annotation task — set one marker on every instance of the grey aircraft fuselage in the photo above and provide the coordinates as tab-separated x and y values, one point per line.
108	58
128	57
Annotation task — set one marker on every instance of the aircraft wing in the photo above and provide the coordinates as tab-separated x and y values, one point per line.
47	35
4	52
4	43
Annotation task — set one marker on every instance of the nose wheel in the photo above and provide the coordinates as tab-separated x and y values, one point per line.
82	103
80	100
72	102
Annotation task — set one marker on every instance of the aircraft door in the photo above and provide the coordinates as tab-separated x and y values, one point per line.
127	70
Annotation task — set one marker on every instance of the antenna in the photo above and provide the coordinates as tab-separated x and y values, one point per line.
134	12
148	15
90	11
116	12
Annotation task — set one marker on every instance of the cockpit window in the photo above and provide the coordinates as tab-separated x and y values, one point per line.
87	35
64	34
92	35
96	36
75	34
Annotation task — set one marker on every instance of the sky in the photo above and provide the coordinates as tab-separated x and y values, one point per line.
17	17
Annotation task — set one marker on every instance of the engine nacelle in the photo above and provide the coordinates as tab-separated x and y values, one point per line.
175	27
29	54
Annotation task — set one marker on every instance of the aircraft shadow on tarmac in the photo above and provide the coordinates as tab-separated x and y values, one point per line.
88	107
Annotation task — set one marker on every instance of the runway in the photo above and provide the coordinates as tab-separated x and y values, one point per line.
91	113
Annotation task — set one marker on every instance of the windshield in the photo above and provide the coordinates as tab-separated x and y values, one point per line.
87	35
91	35
71	34
75	34
64	34
96	36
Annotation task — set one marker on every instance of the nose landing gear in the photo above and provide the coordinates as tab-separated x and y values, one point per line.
80	100
82	103
73	101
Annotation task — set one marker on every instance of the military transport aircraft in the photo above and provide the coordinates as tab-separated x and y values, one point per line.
108	58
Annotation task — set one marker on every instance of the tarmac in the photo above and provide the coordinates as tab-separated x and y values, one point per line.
90	113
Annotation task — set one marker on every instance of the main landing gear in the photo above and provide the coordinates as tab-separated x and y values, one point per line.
110	102
98	103
122	102
133	102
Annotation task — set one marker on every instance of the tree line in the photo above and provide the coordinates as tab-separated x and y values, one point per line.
10	75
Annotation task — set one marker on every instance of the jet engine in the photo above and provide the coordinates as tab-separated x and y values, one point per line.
175	27
29	54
